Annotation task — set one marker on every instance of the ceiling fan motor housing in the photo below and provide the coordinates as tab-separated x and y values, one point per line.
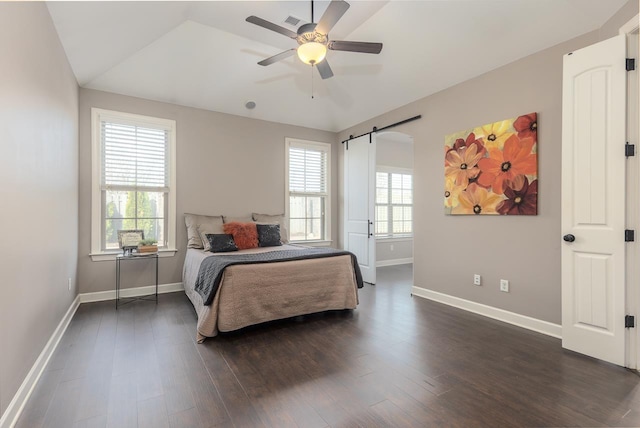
307	33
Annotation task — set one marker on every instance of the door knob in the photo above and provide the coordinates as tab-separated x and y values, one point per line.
569	238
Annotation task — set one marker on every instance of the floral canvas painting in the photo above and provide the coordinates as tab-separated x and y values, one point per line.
493	169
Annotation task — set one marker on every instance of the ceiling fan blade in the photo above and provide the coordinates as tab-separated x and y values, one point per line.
331	16
271	26
324	69
278	57
364	47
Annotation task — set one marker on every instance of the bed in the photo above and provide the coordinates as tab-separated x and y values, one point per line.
249	294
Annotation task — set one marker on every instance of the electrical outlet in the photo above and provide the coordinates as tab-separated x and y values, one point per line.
504	285
391	247
69	283
477	279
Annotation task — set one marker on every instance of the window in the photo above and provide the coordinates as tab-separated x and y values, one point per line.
394	203
307	191
133	179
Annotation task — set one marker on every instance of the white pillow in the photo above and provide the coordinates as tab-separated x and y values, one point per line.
212	224
227	219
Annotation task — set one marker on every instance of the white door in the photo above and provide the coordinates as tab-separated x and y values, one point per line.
593	200
359	190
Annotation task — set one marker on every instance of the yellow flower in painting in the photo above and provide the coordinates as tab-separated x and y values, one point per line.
494	134
451	193
477	200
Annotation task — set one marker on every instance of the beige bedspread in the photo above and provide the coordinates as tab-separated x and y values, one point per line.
256	293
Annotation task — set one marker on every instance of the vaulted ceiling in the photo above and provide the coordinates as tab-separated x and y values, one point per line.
204	54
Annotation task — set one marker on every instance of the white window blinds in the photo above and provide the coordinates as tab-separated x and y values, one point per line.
308	187
133	179
134	157
307	170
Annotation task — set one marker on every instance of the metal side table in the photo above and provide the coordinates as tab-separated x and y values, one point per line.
121	258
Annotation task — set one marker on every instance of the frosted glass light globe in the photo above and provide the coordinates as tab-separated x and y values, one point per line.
312	52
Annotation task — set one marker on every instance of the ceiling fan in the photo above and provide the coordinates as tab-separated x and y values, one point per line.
313	39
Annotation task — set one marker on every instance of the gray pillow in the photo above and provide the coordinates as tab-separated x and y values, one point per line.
221	243
274	219
213	224
204	230
268	235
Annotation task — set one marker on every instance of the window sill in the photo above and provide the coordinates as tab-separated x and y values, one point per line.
396	239
313	243
103	257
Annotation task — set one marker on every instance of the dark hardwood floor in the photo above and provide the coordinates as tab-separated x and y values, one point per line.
396	361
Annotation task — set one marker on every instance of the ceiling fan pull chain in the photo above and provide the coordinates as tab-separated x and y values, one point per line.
311	81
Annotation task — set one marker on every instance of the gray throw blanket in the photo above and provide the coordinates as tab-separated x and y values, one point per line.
212	268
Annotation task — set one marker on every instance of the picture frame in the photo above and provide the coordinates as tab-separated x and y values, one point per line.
129	239
493	169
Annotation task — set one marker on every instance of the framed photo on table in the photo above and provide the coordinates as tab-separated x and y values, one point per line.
129	239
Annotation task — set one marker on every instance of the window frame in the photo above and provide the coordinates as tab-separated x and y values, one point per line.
318	145
392	236
97	201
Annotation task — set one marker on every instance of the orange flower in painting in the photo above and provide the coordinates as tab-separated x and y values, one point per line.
476	200
505	165
461	165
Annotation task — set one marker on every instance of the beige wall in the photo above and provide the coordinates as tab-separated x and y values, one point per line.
226	165
393	249
612	26
394	153
39	172
448	250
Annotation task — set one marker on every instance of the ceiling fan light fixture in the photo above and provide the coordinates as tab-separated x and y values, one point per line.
312	52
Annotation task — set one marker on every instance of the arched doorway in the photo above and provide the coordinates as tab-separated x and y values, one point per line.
394	205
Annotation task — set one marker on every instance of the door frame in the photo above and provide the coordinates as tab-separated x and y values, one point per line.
632	286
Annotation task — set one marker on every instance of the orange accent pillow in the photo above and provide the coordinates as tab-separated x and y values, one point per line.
245	235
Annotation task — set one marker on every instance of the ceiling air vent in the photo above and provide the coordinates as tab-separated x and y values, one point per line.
292	20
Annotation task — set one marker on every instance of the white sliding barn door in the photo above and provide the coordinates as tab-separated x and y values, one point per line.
359	202
593	200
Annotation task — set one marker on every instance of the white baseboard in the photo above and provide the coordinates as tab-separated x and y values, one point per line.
544	327
100	296
394	262
10	416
